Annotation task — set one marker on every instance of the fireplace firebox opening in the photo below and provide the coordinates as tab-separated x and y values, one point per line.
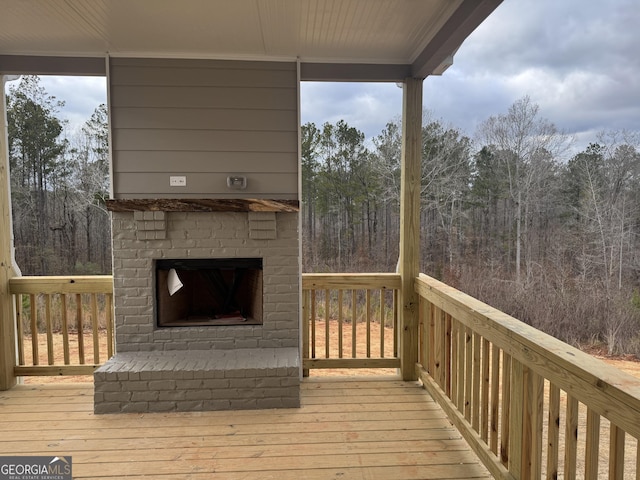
201	292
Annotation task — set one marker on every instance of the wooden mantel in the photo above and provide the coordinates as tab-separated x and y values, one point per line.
203	205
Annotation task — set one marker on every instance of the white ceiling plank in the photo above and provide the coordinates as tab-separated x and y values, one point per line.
368	32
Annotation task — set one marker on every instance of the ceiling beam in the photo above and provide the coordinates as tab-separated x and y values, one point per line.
354	72
45	65
464	20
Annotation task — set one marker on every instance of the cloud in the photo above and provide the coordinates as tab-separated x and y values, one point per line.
562	35
365	106
81	95
576	59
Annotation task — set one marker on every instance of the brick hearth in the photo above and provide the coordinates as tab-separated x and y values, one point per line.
199	380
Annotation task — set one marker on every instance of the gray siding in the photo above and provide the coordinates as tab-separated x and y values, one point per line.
205	120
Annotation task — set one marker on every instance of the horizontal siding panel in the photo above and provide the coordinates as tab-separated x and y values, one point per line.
204	97
184	63
205	119
200	77
206	185
185	162
202	140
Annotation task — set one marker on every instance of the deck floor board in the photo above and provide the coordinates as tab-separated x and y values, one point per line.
375	429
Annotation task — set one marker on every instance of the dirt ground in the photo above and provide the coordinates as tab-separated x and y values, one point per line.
628	363
58	355
320	346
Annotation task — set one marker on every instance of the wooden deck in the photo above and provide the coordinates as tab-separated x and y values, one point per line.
373	428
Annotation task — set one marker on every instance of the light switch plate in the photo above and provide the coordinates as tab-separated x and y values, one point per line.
177	181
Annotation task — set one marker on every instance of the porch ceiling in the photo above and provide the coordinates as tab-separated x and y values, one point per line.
335	40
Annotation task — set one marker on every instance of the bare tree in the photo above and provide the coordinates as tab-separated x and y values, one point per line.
521	140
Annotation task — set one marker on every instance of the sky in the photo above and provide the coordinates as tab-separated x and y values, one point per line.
578	60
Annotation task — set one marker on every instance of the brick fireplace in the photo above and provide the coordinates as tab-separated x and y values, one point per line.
204	359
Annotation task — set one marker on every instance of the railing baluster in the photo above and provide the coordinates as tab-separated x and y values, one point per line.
395	321
95	327
462	372
616	453
368	314
475	397
354	342
495	398
431	340
382	322
306	320
327	305
535	413
528	440
455	347
447	354
553	434
20	328
109	317
505	411
312	293
441	338
438	363
592	450
34	329
519	443
340	319
49	327
571	439
80	328
65	327
468	373
484	393
442	346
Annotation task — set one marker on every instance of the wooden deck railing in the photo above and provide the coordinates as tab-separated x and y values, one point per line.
64	324
73	315
350	320
530	405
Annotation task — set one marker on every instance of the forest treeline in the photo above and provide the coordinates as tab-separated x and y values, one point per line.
59	183
513	216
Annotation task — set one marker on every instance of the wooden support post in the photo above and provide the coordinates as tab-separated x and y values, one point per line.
410	224
7	326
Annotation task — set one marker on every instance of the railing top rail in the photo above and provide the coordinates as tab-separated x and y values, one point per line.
319	281
61	284
609	391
